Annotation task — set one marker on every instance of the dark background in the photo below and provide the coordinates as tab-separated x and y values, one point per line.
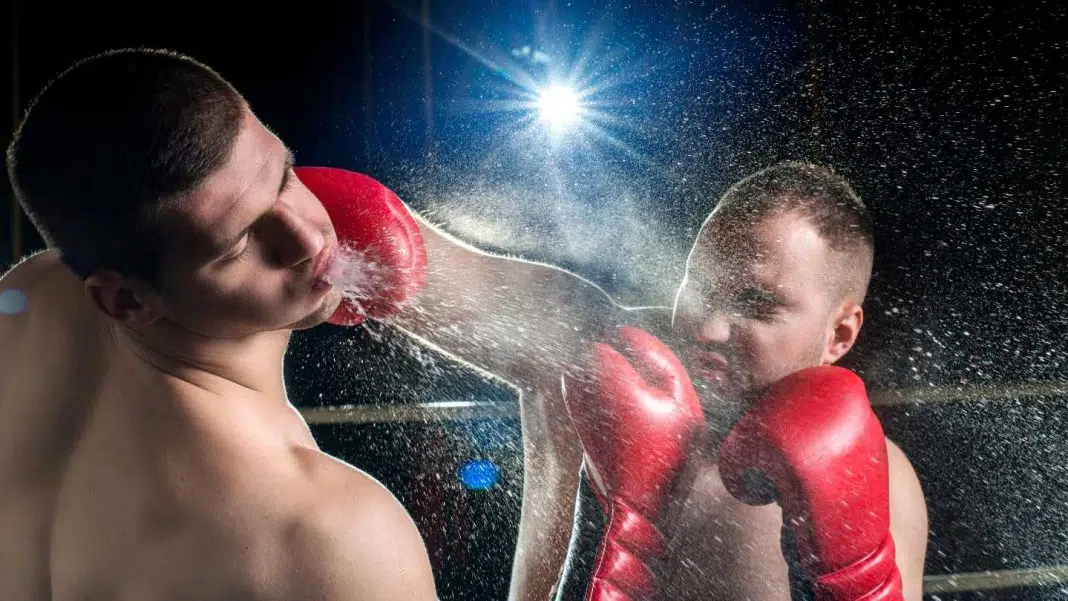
949	121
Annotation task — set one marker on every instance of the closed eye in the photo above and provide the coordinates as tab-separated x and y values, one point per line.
757	302
239	247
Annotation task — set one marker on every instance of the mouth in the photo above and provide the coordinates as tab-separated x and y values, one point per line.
321	268
709	366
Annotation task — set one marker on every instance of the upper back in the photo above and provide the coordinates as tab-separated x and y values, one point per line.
170	493
44	325
45	334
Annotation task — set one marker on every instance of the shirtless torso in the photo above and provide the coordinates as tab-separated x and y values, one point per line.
721	548
123	482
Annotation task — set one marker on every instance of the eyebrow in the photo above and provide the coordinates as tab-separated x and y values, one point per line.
753	294
287	170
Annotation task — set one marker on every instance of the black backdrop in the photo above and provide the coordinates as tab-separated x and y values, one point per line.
949	121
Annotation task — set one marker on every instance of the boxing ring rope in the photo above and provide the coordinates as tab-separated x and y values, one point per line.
1002	392
419	412
477	410
999	579
939	583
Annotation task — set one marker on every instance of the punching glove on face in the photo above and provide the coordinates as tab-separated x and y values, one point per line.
815	439
636	417
372	222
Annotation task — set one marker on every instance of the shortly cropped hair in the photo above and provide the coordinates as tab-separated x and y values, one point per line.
816	192
106	147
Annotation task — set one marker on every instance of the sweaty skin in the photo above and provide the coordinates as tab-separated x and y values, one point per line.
722	548
524	322
132	472
762	301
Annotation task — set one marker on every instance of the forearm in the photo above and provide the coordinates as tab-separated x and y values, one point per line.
552	459
544	534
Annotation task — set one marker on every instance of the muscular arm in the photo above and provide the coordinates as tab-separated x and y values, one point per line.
517	320
521	322
551	461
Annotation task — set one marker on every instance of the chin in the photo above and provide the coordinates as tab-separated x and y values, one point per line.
320	314
723	395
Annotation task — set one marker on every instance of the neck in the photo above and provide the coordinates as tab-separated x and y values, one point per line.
251	363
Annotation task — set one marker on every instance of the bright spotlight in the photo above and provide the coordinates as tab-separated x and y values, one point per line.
558	105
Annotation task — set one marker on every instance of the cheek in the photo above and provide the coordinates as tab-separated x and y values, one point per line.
243	287
265	290
686	312
773	348
759	344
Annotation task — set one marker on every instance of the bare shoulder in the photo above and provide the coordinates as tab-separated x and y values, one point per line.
904	482
36	278
40	299
908	521
22	281
354	541
31	268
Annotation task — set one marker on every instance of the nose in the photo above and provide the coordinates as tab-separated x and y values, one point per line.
295	239
702	322
714	327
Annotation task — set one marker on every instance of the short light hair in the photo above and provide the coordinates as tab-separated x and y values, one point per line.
821	196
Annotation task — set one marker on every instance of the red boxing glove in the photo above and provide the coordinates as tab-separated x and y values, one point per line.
636	427
816	439
370	219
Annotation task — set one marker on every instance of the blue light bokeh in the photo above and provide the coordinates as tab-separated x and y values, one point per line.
479	474
12	302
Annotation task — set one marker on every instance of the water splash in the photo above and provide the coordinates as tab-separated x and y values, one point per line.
357	275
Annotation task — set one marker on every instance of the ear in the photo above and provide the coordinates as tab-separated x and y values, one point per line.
120	298
843	331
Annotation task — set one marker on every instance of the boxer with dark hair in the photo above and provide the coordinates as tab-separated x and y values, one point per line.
151	452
